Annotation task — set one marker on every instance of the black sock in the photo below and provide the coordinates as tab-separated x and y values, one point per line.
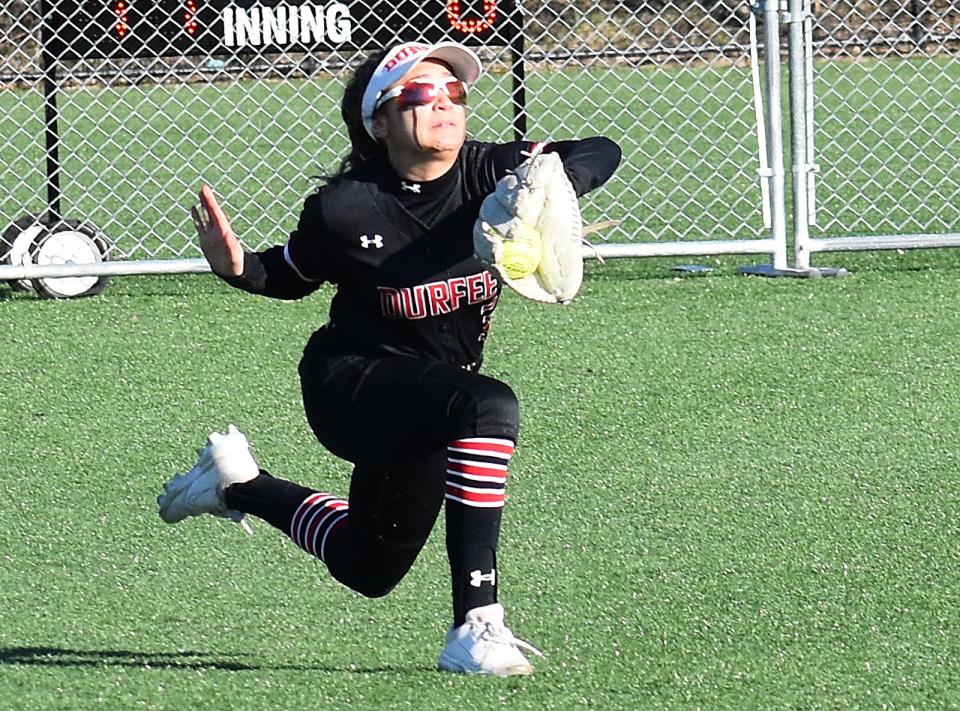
476	489
273	500
472	536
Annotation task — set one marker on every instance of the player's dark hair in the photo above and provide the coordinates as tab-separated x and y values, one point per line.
362	146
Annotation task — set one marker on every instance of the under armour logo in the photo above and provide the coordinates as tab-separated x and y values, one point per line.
411	187
477	578
375	241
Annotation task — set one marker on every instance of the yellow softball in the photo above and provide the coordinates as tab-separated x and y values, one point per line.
521	255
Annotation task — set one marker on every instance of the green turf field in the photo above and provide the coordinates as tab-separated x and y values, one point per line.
730	493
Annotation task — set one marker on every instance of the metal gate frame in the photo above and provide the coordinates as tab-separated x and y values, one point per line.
798	17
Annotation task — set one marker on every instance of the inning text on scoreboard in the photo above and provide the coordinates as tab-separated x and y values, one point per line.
80	29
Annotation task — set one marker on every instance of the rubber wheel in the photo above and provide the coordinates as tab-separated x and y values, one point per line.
15	246
70	242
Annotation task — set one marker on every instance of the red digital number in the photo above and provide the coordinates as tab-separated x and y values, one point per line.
471	25
190	17
122	24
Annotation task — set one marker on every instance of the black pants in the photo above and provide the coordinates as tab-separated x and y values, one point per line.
393	419
376	411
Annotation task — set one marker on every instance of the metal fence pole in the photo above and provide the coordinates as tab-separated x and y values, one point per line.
771	53
798	132
808	80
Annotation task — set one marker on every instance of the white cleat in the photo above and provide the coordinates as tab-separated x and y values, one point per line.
224	461
484	645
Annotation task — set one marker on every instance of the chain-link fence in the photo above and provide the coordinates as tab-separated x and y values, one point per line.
138	128
114	111
884	128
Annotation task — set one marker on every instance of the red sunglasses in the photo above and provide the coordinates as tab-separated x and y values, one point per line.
421	92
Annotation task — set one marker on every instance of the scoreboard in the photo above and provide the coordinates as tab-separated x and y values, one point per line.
135	28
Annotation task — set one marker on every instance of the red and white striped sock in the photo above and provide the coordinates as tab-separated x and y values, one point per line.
477	471
315	519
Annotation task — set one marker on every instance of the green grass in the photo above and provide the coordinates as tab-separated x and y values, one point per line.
729	493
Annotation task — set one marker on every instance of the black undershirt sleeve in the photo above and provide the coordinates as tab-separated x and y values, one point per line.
588	162
268	273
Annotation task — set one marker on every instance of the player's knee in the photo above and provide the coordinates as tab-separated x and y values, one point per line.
376	567
374	587
377	576
497	410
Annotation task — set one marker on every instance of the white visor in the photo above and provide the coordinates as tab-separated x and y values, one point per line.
404	57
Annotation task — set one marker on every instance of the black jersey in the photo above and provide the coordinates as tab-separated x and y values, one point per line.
401	253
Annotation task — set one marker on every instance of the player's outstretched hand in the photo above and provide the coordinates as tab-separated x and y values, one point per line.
217	241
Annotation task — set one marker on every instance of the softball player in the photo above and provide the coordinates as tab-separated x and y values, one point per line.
390	383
